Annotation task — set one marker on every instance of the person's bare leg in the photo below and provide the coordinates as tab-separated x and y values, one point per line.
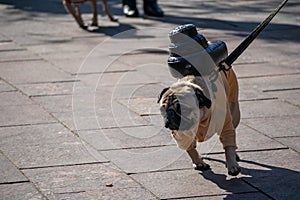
106	11
95	12
73	12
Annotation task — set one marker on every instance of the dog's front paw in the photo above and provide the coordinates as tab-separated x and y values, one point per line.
234	170
201	167
231	161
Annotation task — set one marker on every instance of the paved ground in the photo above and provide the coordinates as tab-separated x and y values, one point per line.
78	108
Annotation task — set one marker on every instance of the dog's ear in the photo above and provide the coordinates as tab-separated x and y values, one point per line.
202	99
162	93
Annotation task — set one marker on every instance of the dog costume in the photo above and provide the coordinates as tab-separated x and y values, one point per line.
183	52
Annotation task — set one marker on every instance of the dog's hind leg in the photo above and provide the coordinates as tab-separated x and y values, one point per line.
198	163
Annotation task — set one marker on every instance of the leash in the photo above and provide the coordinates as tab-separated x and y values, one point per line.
225	65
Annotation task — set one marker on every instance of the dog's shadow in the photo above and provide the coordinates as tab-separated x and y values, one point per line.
127	30
260	182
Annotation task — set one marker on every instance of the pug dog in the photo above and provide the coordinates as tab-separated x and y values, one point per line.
193	112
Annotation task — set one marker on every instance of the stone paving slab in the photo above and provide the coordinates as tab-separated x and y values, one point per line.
130	137
272	83
265	125
291	96
24	115
190	183
14	99
31	72
55	103
129	78
20	55
291	142
170	157
142	106
3	38
243	196
279	177
144	159
266	69
4	87
78	123
250	140
10	46
123	92
263	109
85	182
275	126
47	89
19	191
45	145
9	173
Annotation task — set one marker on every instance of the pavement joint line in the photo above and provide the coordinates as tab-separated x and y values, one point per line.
63	165
21	60
6	41
113	127
273	116
49	95
127	84
18	125
8	50
292	136
73	192
202	154
269	75
8	91
208	195
86	36
50	82
260	150
259	99
14	182
134	148
257	188
146	50
251	63
280	90
148	114
161	171
291	103
105	72
245	151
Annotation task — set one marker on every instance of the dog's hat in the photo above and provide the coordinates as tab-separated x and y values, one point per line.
185	50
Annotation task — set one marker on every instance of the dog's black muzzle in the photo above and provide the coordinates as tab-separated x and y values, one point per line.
175	121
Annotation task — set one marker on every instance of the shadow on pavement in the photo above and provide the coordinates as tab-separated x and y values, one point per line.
272	32
276	182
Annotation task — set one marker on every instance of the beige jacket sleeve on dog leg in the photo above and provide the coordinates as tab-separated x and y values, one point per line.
227	136
193	153
183	141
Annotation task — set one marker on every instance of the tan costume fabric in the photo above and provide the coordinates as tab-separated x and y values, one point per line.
216	120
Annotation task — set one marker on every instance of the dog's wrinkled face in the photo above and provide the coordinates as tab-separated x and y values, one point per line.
180	106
